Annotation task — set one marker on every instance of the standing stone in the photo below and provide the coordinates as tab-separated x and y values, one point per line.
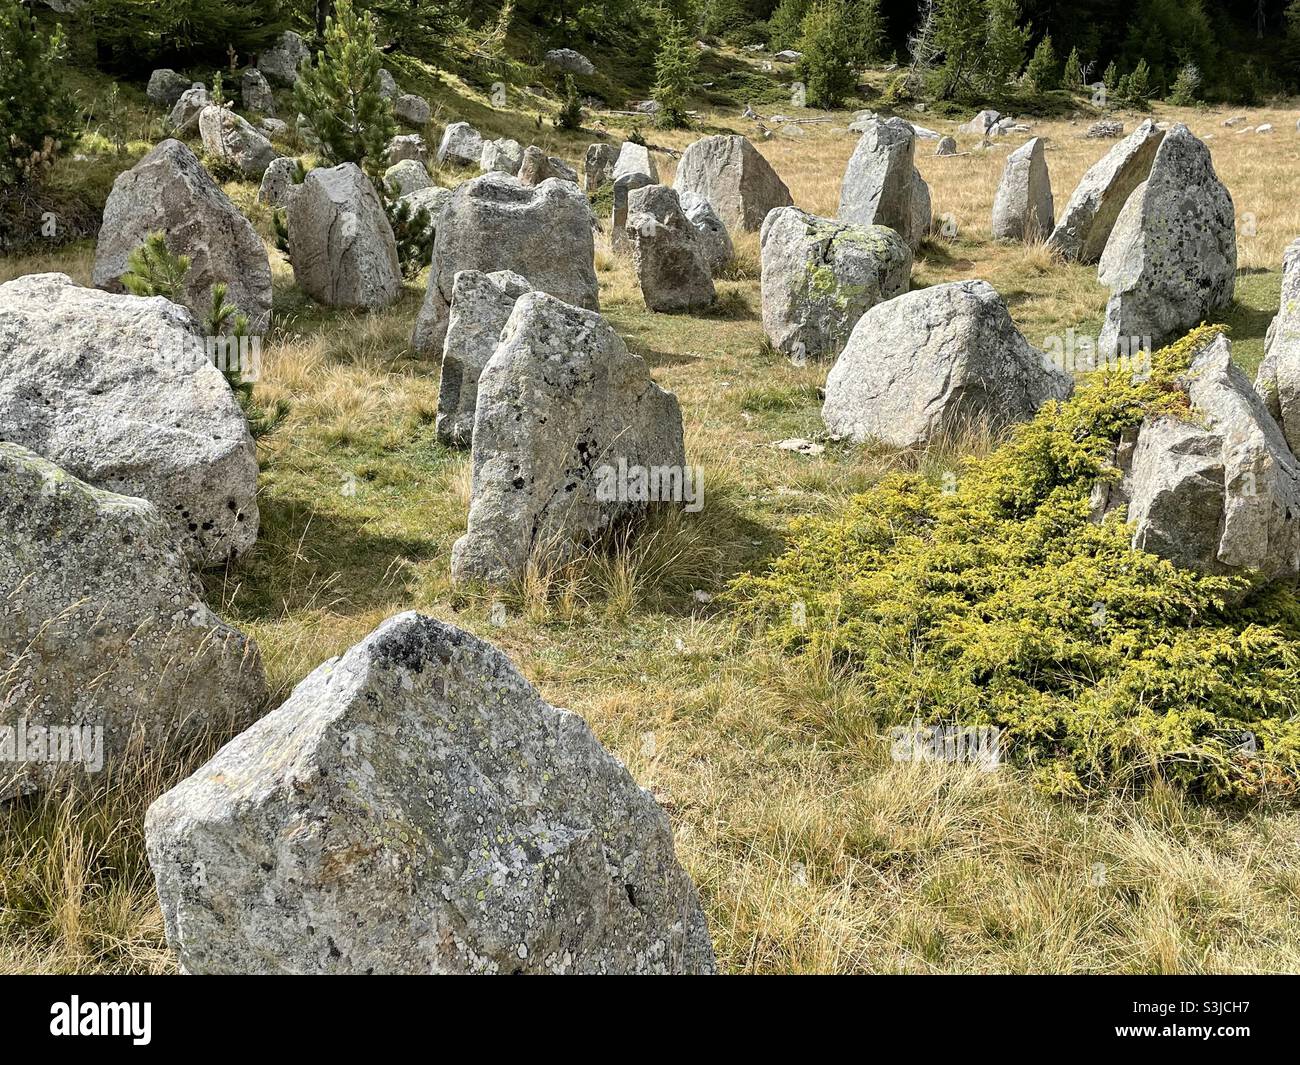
480	307
103	627
921	210
561	404
121	391
598	167
1278	380
413	110
667	252
933	361
388	84
277	183
635	158
624	186
493	222
503	154
1022	208
407	176
227	136
715	241
462	145
280	63
537	167
730	173
1172	257
192	102
880	183
342	246
568	60
1086	223
820	276
256	92
407	146
169	191
166	87
417	807
946	146
981	124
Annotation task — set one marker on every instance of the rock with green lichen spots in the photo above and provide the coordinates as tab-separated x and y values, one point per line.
419	808
1278	380
820	276
881	185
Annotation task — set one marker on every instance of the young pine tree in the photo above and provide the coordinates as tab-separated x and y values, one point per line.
785	27
36	114
152	270
1004	51
1043	72
340	93
868	29
675	67
1072	77
828	68
569	116
1187	86
960	34
1110	77
1139	86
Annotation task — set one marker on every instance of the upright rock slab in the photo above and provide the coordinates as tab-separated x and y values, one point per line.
715	241
341	244
1172	258
598	167
536	167
461	145
624	186
734	177
1085	225
281	63
120	391
503	154
170	191
191	104
1022	208
561	403
635	158
277	183
930	362
1278	380
227	136
820	276
166	86
879	186
416	807
480	307
256	92
494	222
668	253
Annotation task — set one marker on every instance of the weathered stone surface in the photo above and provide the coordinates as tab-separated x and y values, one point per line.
820	276
503	154
280	63
227	136
635	158
1023	209
921	210
388	84
433	199
416	807
103	627
560	404
169	191
981	124
480	307
191	104
537	167
715	241
598	167
730	173
668	253
121	392
1104	129
461	145
413	110
407	146
496	223
946	146
1086	223
930	362
341	244
1278	379
1172	257
256	92
277	183
624	186
274	127
568	60
166	86
408	176
880	183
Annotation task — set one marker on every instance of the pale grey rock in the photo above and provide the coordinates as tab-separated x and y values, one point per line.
921	209
388	84
1022	208
880	183
536	167
166	87
433	199
121	392
277	183
1278	379
502	154
407	146
715	241
281	63
543	233
191	103
227	136
788	55
981	124
274	127
169	191
408	176
340	240
1105	129
667	252
417	807
480	307
819	276
598	167
734	177
103	626
461	145
933	361
561	403
568	60
256	92
1171	260
413	110
1086	223
946	146
624	186
635	158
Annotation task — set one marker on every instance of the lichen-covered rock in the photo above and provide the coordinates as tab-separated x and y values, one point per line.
104	635
256	92
407	146
170	191
568	60
341	243
185	114
1023	208
503	154
820	276
734	177
880	185
560	400
635	158
277	183
227	136
1085	225
667	252
408	176
121	392
543	233
598	167
933	361
536	167
281	62
624	186
416	807
480	307
715	241
413	110
166	86
1278	380
1171	259
461	145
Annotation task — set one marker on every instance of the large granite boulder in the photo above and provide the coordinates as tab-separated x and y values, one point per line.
880	184
413	110
932	362
561	404
1278	380
341	243
1172	258
820	276
1085	225
715	241
281	62
278	182
567	59
407	146
1022	208
461	145
166	86
184	117
543	233
668	253
480	307
598	167
407	176
227	136
170	191
417	807
503	154
106	644
536	167
730	173
256	93
122	392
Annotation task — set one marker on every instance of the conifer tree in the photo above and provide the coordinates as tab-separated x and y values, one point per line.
1043	73
828	67
36	114
675	67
